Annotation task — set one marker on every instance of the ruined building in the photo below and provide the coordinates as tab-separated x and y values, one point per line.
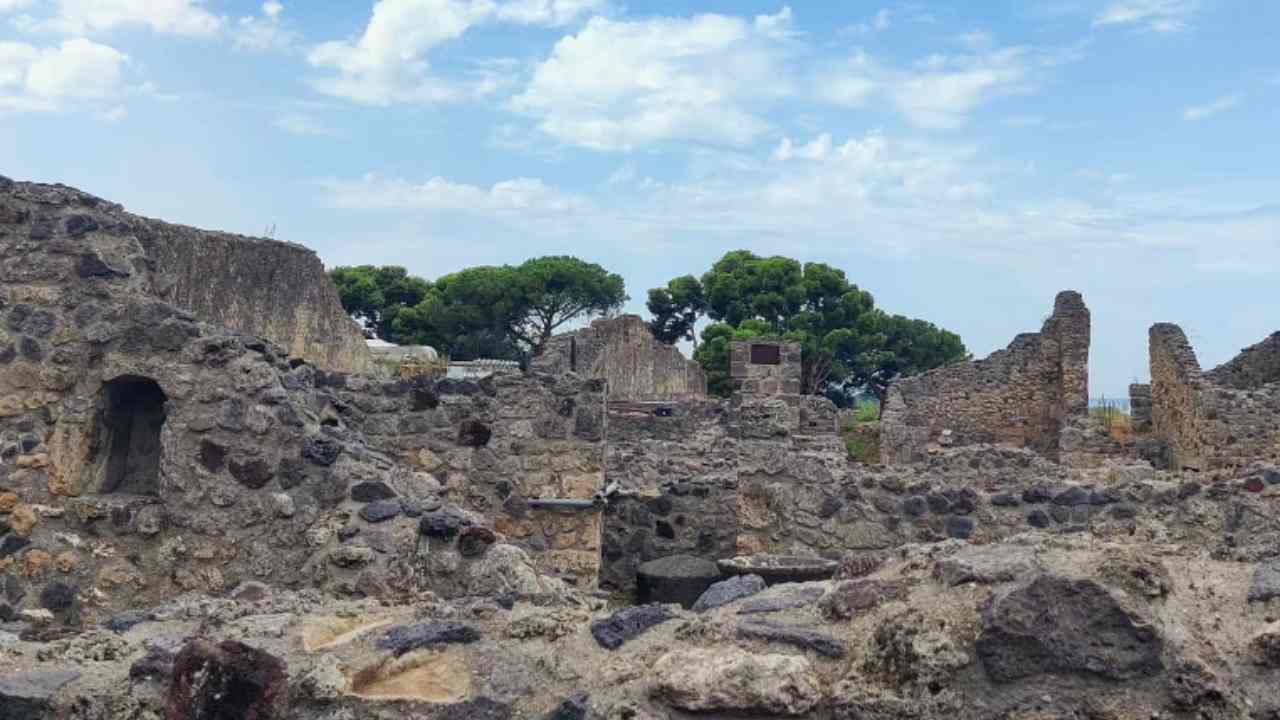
209	510
623	352
1021	396
1226	418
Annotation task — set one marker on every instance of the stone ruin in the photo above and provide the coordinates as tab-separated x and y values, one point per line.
623	352
213	511
1225	419
1020	396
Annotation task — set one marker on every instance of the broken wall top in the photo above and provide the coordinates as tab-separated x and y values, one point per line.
275	290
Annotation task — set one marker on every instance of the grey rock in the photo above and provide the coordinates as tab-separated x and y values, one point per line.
321	450
675	579
728	591
1039	519
850	598
444	523
573	708
407	638
1266	582
627	624
1062	625
1075	495
959	526
371	491
803	638
24	696
788	599
986	564
380	511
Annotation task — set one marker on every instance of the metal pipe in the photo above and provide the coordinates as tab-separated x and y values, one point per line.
569	503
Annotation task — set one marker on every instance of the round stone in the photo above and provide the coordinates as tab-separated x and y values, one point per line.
675	579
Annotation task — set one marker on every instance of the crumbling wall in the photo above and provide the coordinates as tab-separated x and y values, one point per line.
492	445
1140	407
623	352
1255	366
1021	396
275	290
1207	425
145	454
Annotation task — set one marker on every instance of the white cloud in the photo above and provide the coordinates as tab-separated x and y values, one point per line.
11	5
54	78
388	63
303	124
617	85
548	12
373	192
1163	16
265	32
176	17
938	92
1200	112
817	149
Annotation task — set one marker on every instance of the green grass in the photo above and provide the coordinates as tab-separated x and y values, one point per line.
867	411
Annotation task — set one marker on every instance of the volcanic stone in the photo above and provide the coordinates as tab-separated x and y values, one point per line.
627	624
802	638
727	591
407	638
676	579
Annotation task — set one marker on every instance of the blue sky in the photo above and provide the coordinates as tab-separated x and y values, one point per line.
962	161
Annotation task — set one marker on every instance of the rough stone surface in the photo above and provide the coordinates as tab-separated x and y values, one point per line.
803	638
623	352
675	579
729	591
1266	582
627	624
226	681
30	695
1022	395
401	640
1055	624
734	681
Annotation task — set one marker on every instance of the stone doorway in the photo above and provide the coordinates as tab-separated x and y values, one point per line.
126	446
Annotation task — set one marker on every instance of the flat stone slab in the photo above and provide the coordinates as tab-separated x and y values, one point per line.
986	564
28	695
675	579
1266	582
803	638
780	601
728	591
780	568
629	623
407	638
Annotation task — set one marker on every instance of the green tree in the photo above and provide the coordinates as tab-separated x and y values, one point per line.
676	309
555	290
847	344
376	295
467	314
505	312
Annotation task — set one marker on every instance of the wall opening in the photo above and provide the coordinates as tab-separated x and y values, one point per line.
766	355
130	417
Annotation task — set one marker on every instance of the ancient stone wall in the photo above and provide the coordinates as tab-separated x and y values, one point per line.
1255	366
1207	425
144	453
1021	396
493	445
623	352
1140	407
762	368
275	290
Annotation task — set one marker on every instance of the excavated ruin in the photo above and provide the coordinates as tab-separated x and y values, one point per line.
211	507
